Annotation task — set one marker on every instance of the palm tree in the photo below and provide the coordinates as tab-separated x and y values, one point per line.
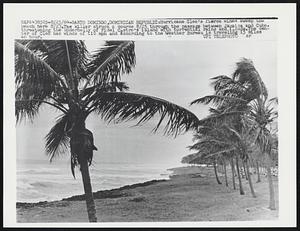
219	140
213	146
245	96
201	157
225	171
231	100
258	173
244	140
264	114
232	172
65	76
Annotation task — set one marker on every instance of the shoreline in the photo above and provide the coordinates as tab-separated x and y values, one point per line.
191	194
117	192
100	194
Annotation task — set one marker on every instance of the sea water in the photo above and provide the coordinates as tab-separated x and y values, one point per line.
39	180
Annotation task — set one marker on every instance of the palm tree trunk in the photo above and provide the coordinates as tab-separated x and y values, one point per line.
225	172
245	171
258	174
239	176
216	174
271	186
249	179
90	203
233	173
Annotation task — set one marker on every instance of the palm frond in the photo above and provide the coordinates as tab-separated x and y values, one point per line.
26	109
31	68
55	53
236	133
109	62
30	108
223	118
214	111
228	150
35	81
89	93
226	86
120	106
191	158
247	75
107	87
57	140
220	81
28	90
217	100
209	141
274	100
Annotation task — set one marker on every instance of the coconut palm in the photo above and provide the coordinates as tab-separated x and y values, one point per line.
65	76
264	113
231	103
201	157
233	173
243	142
218	142
244	98
225	170
258	172
225	141
212	146
232	95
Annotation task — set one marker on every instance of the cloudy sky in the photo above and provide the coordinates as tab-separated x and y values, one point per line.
177	71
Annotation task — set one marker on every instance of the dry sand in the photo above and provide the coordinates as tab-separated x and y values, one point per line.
192	194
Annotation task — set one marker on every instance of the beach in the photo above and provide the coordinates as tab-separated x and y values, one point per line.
191	194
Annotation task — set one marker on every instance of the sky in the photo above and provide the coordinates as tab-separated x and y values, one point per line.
178	71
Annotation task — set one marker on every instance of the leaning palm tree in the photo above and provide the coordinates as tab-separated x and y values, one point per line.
212	146
243	146
218	142
231	99
65	76
200	157
264	113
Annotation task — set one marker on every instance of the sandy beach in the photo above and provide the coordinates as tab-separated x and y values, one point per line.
191	194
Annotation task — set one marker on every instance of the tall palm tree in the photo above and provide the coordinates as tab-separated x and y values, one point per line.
233	173
243	141
264	113
225	170
64	75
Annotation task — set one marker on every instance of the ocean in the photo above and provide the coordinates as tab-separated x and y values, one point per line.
39	180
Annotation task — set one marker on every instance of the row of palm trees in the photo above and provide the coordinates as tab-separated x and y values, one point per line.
238	129
64	75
